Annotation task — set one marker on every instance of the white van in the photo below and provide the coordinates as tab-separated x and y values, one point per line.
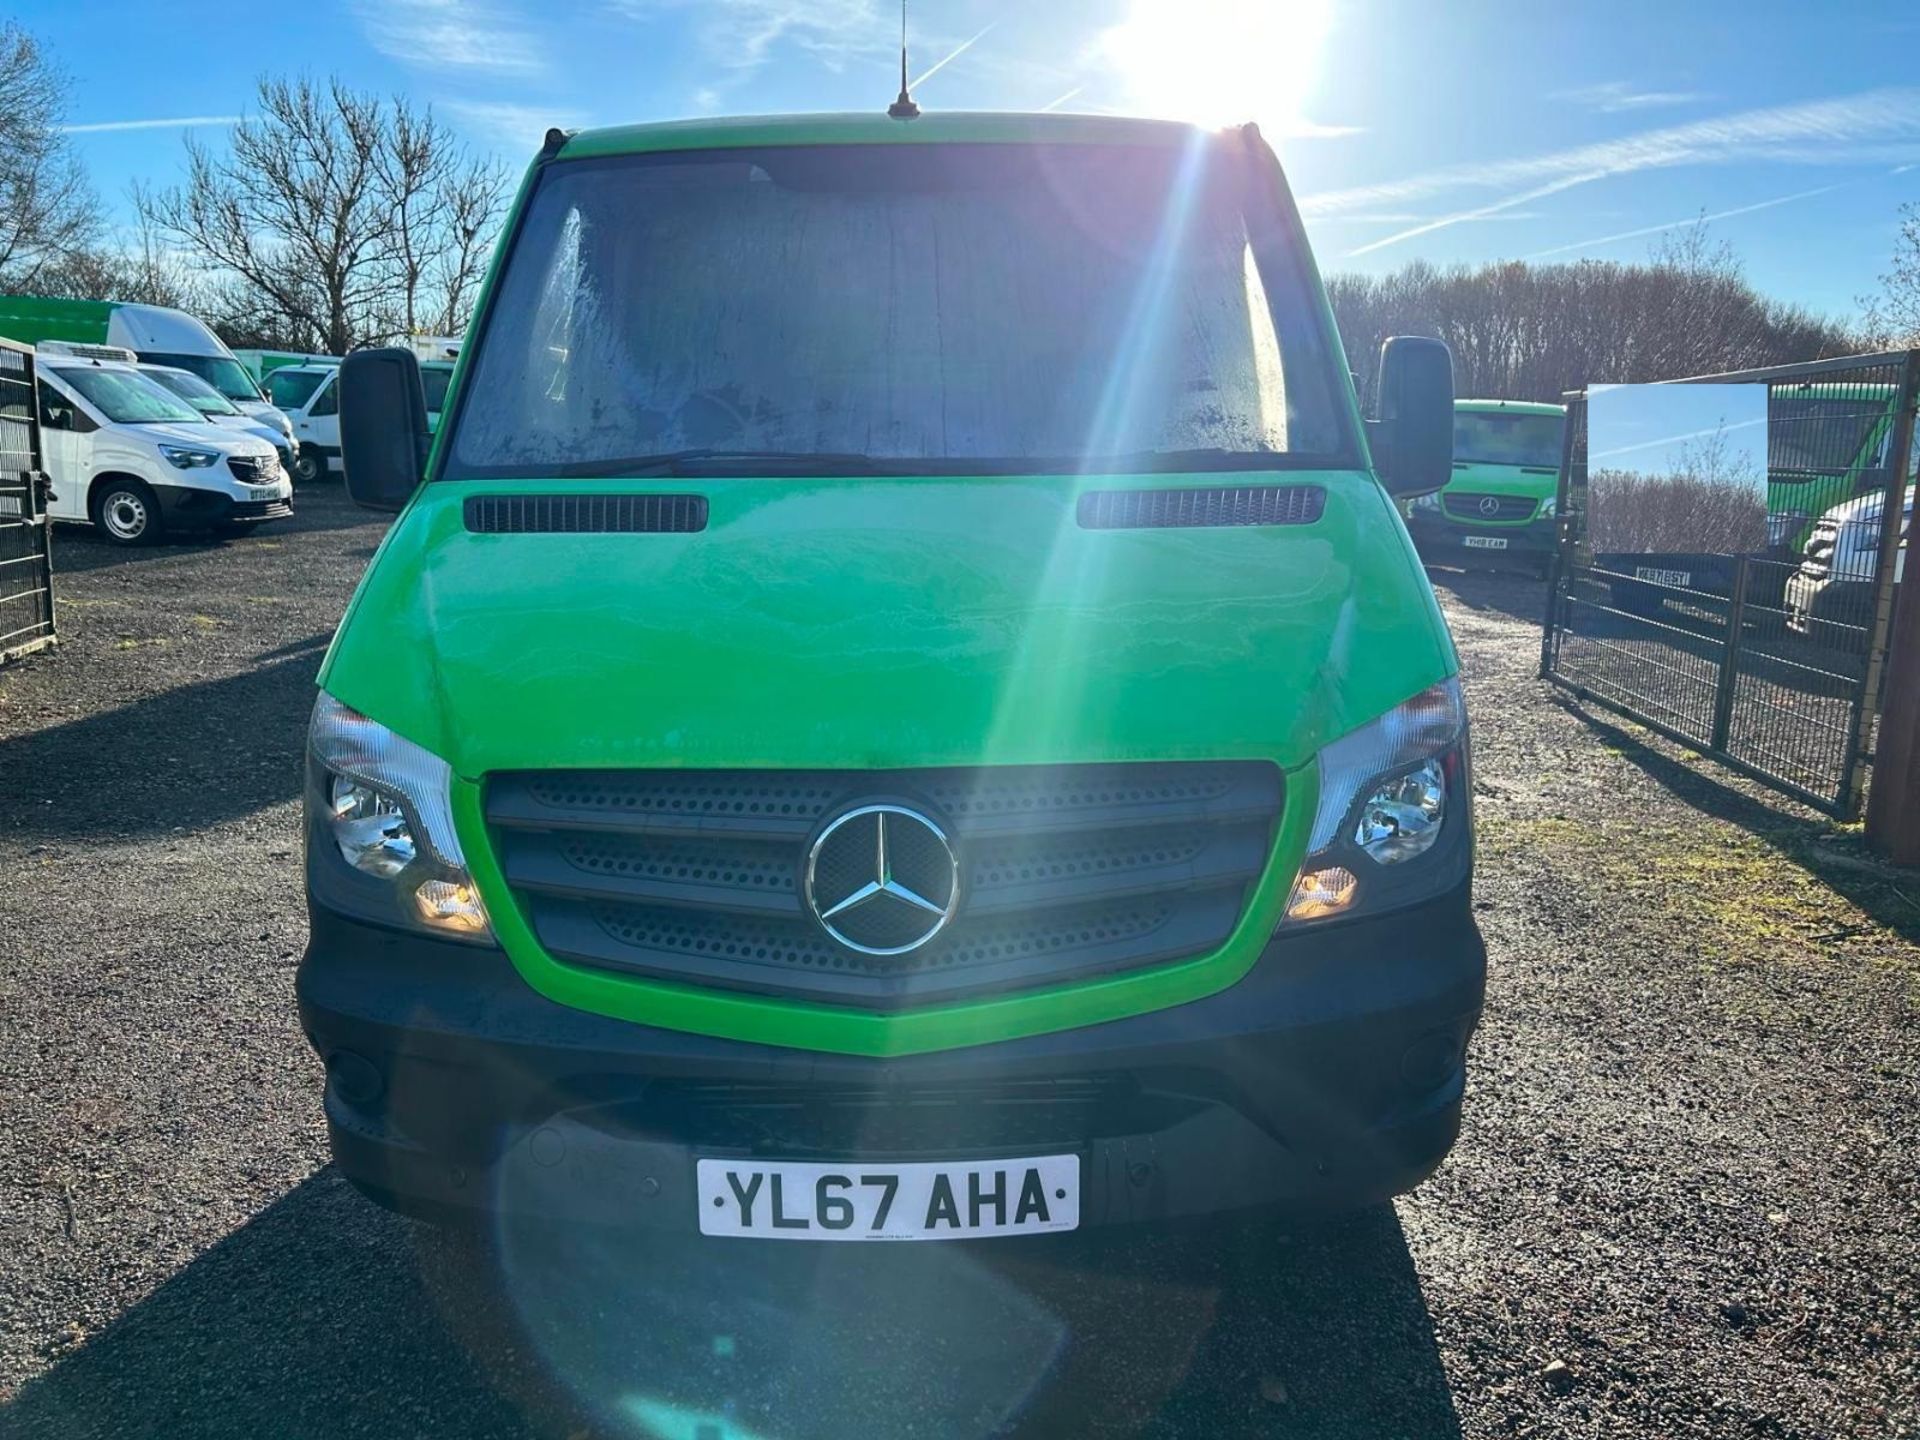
135	460
310	396
218	409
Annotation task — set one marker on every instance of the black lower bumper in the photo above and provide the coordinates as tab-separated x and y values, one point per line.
185	508
1330	1076
1453	542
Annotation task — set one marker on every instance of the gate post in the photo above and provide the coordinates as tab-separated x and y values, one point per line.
1730	659
1893	800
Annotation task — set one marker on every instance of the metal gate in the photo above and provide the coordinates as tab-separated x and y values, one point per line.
26	560
1771	662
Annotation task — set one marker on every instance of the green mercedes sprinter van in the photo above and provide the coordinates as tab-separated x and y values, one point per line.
897	704
1497	510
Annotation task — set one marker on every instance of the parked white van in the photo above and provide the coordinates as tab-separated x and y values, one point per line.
218	409
135	460
310	396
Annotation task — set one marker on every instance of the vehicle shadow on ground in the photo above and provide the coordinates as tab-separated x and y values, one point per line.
324	1316
1838	860
196	754
1514	593
80	551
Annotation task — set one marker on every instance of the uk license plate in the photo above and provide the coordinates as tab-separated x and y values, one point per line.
263	492
1485	542
1682	578
943	1200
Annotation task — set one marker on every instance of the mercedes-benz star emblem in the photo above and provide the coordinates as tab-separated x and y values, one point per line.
1489	504
882	879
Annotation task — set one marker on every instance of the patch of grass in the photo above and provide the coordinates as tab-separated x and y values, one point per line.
207	622
1732	893
129	642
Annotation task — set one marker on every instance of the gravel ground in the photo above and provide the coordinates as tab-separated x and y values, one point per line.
1683	1205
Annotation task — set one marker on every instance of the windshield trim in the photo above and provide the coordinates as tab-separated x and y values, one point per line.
1317	331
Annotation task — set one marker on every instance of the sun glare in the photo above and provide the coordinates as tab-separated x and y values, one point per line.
1219	62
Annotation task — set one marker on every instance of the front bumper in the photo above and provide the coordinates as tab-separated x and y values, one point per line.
1330	1076
1455	542
185	507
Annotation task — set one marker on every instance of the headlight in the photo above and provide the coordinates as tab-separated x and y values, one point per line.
1393	792
182	458
380	838
1428	501
1547	507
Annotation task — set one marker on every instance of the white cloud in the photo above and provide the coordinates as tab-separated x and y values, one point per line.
1852	129
508	125
1610	97
1665	225
742	34
182	122
468	36
1846	130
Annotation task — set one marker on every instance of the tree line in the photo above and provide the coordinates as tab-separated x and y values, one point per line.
1520	331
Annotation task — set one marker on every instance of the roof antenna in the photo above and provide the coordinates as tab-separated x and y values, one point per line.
903	108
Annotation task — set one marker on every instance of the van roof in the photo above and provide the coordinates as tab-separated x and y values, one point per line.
876	128
1518	407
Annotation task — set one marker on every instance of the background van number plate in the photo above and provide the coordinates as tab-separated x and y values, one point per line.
1486	542
945	1200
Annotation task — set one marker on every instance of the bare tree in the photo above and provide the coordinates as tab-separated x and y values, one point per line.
336	219
47	209
142	268
1892	317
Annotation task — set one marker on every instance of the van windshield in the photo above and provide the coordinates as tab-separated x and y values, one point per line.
195	391
290	389
223	372
126	397
932	309
1483	437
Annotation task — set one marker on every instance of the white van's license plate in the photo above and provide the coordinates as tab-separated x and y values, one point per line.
947	1200
1485	542
263	492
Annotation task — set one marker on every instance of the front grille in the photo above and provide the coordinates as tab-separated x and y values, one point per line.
253	469
260	510
1817	559
1477	507
696	876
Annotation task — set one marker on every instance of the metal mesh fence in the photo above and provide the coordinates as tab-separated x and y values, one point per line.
1773	660
26	581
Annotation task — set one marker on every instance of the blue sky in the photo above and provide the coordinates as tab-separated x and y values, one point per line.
1409	130
1649	428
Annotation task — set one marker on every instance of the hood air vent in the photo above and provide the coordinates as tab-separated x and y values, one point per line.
1219	505
586	514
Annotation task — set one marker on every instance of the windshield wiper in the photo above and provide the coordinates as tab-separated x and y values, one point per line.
797	463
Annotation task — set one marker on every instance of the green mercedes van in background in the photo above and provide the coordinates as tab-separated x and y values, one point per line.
1497	510
897	704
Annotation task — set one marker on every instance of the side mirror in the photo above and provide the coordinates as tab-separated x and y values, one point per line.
383	427
1412	438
